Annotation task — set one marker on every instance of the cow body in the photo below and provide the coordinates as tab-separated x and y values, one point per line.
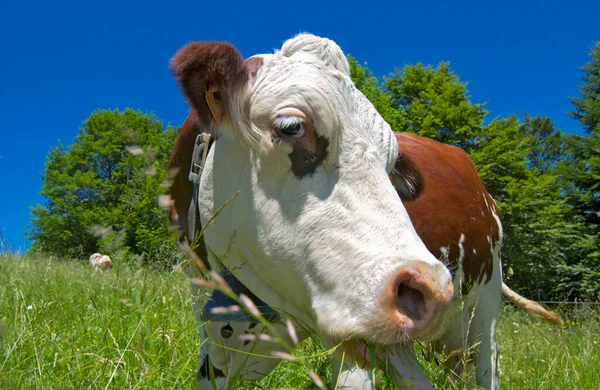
459	223
361	234
99	261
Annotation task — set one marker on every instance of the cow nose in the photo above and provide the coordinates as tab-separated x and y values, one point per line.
417	299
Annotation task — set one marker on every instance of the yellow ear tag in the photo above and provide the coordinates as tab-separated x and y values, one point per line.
215	106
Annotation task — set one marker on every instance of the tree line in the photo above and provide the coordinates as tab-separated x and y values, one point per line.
101	192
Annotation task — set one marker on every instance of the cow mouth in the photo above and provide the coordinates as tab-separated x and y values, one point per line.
397	360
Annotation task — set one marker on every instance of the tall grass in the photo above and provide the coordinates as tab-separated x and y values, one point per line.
64	325
67	326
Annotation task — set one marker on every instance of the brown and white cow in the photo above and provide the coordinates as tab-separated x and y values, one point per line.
361	234
100	261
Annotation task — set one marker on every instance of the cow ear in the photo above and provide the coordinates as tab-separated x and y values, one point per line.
207	73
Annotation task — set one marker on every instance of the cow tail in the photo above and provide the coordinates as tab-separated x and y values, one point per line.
531	307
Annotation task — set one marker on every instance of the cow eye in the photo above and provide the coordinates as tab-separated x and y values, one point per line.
290	126
292	129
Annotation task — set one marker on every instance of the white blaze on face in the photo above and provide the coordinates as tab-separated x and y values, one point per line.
317	228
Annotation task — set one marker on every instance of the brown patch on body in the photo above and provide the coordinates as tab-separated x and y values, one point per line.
450	201
181	158
181	189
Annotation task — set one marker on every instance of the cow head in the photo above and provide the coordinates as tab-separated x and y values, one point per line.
317	229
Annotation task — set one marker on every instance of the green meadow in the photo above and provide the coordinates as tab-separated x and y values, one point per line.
65	326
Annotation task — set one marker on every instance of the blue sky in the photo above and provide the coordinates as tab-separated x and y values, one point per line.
61	60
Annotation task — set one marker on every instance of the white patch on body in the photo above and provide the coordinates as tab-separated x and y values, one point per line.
461	248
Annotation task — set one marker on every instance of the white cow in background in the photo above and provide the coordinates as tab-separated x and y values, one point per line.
99	261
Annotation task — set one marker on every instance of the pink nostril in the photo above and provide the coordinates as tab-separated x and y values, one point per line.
416	300
415	294
410	302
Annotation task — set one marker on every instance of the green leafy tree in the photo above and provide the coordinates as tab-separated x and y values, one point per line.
370	86
587	107
548	145
434	103
582	172
543	241
101	192
584	193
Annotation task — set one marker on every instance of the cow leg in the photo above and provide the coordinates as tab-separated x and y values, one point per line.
224	358
207	373
404	368
454	342
469	341
350	376
208	376
401	365
483	331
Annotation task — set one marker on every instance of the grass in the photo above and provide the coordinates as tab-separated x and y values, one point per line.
63	325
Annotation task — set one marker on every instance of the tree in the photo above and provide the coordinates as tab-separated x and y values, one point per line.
548	147
584	193
435	104
587	107
101	192
582	174
544	245
369	85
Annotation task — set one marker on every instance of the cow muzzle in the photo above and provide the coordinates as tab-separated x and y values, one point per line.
416	300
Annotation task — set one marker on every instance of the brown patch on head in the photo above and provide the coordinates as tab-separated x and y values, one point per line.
309	149
450	201
306	161
201	65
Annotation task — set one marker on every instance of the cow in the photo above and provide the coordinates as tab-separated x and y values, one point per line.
99	261
369	238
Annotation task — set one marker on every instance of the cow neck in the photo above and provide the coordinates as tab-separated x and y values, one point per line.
203	143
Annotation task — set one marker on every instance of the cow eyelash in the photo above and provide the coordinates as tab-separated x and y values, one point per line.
289	126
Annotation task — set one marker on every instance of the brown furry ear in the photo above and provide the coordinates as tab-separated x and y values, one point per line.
406	178
199	66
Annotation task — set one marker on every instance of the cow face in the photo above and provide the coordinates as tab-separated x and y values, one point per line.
316	229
